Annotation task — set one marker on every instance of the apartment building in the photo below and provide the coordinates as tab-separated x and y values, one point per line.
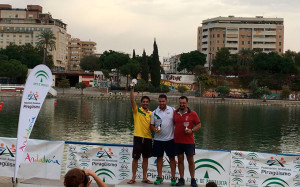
78	49
23	26
236	33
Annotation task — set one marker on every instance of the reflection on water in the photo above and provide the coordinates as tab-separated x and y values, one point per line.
228	127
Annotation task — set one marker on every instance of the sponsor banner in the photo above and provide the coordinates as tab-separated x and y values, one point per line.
42	159
36	88
113	164
264	169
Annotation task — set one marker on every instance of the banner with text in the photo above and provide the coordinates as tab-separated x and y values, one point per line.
113	164
41	158
264	169
36	88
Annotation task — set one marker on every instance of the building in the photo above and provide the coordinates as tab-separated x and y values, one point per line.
236	33
78	49
23	26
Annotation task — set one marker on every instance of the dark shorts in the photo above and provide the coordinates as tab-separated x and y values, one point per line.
141	146
159	147
188	149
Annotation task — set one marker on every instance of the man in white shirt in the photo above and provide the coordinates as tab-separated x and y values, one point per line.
162	123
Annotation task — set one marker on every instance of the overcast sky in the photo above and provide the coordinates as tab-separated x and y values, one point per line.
124	25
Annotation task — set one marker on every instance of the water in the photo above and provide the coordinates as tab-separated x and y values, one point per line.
224	126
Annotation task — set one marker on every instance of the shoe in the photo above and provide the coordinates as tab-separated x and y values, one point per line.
180	182
159	180
194	183
173	182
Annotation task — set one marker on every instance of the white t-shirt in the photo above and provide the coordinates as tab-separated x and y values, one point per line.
165	118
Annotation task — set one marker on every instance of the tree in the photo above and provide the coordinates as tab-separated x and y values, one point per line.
155	67
224	63
144	67
132	68
223	90
191	59
133	54
203	79
13	69
64	83
81	86
47	41
285	92
113	60
90	62
141	86
181	89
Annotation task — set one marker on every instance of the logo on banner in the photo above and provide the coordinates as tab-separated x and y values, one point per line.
124	175
275	162
41	159
237	155
105	154
41	76
124	168
124	151
105	172
237	180
275	181
297	184
166	162
5	151
208	165
72	148
252	156
84	165
252	173
238	163
33	96
72	164
84	149
28	131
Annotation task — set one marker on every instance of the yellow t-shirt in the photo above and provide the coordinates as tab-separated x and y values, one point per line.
141	122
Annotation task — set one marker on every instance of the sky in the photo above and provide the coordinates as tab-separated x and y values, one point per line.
124	25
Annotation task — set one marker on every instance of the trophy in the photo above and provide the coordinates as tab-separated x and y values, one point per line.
159	121
186	124
133	83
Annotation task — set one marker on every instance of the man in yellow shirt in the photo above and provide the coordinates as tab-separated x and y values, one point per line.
142	140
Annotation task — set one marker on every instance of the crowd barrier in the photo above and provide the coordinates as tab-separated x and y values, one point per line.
112	163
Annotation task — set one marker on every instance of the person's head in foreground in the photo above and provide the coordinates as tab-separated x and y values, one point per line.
76	178
211	184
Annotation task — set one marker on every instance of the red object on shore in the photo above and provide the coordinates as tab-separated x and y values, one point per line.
1	103
55	102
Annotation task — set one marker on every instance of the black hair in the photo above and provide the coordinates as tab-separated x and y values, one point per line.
184	97
145	97
163	96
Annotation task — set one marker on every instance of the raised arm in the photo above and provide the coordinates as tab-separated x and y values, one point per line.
99	182
133	103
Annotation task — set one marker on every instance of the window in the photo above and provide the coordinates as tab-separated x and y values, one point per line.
218	35
249	42
243	29
280	36
218	48
218	41
224	35
249	30
279	43
14	35
243	36
7	35
30	16
213	35
243	42
280	50
280	30
27	36
20	36
20	42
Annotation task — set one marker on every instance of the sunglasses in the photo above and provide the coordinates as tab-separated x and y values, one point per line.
86	179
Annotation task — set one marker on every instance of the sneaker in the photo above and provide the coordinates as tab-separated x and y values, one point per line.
180	182
173	181
159	180
194	183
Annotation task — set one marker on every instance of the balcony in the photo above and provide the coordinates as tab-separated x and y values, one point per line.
231	45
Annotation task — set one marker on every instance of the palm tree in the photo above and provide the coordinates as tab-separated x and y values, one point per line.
46	41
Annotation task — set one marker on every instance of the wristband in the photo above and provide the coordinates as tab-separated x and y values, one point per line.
192	130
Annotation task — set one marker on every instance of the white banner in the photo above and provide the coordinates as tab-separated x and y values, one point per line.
113	164
36	88
264	169
41	159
